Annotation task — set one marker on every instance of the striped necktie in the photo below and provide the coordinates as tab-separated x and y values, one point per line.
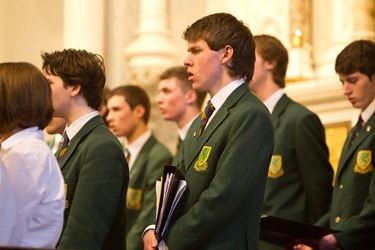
63	146
206	116
127	155
179	144
356	130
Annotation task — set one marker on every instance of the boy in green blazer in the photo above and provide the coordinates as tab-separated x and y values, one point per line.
91	158
299	185
129	112
352	210
225	156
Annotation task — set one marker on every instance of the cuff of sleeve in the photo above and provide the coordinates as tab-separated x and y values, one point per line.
148	228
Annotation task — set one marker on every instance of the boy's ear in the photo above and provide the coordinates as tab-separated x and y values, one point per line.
227	55
270	65
75	90
191	96
139	111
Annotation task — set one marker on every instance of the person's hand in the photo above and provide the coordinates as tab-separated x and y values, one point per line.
327	242
149	241
302	247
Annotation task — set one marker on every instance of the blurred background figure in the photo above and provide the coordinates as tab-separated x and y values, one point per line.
129	112
103	110
178	101
299	184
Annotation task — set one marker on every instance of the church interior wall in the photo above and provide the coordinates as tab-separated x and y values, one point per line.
28	27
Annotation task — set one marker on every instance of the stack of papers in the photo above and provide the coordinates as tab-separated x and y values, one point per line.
168	192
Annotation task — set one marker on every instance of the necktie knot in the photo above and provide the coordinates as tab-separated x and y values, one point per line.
206	116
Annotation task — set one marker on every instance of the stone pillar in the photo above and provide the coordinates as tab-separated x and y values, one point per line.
300	64
116	38
152	52
84	25
364	19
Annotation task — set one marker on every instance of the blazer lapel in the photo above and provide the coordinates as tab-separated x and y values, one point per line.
219	117
141	158
349	150
279	109
80	136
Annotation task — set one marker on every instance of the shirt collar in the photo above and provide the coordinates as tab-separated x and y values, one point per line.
223	94
137	145
273	99
368	112
183	131
76	126
20	136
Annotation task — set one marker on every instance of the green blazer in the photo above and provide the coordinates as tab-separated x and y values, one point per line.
96	179
353	202
141	197
226	171
299	185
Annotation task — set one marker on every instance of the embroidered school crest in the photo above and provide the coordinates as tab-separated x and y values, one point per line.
201	164
134	199
363	164
276	167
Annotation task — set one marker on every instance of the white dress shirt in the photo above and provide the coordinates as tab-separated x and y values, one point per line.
368	112
76	126
184	130
273	99
135	147
7	207
38	187
221	96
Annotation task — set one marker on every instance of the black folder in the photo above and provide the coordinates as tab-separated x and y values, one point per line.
284	232
172	187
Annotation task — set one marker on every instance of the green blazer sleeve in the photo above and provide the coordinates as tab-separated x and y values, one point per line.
96	178
225	169
141	197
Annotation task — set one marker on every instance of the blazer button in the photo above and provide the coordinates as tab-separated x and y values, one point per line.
341	186
337	219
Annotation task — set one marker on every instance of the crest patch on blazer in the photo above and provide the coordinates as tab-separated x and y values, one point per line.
276	167
363	164
201	164
134	199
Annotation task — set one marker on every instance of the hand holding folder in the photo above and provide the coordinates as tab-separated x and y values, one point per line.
168	192
284	232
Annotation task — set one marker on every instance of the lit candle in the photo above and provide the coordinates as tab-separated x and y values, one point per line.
297	38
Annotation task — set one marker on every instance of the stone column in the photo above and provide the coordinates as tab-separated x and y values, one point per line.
364	19
84	25
151	52
300	64
118	30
